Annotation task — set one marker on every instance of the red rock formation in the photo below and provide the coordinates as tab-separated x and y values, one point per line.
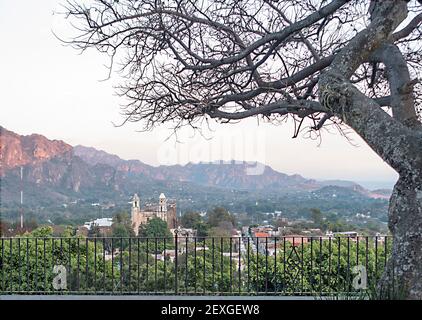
17	150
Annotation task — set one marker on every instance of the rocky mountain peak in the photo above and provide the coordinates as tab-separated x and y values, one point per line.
20	150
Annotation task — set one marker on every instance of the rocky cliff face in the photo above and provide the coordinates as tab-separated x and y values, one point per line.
49	166
17	150
93	156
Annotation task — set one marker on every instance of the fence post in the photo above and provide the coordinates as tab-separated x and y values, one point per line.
175	261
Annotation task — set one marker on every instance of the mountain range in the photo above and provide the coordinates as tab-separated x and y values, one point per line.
56	172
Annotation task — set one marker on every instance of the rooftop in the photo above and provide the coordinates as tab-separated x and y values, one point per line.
261	234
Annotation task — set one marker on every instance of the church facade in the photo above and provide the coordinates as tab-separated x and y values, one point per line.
163	210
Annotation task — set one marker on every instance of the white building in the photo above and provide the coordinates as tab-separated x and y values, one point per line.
103	222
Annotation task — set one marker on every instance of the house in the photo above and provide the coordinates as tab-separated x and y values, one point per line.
264	229
296	240
273	246
261	235
183	232
103	222
350	234
103	226
82	231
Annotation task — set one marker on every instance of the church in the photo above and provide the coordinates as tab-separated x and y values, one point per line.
163	210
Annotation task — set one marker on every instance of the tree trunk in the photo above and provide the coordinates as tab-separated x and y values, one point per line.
402	278
397	140
401	147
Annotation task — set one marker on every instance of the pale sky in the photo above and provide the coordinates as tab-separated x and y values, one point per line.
52	90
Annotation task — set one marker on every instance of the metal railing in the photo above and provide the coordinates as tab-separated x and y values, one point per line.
192	265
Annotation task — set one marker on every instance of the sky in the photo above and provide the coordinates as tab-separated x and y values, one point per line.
53	90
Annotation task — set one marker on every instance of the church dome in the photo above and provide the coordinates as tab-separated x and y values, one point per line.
162	196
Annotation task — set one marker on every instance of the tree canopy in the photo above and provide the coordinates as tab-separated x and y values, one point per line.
155	228
229	60
219	215
190	219
122	225
195	221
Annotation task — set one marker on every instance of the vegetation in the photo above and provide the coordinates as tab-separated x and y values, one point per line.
194	220
203	265
218	222
155	228
122	226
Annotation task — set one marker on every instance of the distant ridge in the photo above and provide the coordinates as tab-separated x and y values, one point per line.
233	174
56	171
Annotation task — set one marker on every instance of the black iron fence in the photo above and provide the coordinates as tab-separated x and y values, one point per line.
192	265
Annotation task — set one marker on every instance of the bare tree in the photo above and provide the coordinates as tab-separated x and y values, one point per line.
349	64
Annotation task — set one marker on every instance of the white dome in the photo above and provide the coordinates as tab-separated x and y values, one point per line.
162	196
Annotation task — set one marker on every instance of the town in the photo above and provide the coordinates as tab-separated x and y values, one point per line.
264	239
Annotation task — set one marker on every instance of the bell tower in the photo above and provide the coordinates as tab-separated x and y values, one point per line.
136	201
136	213
136	209
162	206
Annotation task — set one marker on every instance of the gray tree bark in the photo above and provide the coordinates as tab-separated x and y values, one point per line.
397	140
403	276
